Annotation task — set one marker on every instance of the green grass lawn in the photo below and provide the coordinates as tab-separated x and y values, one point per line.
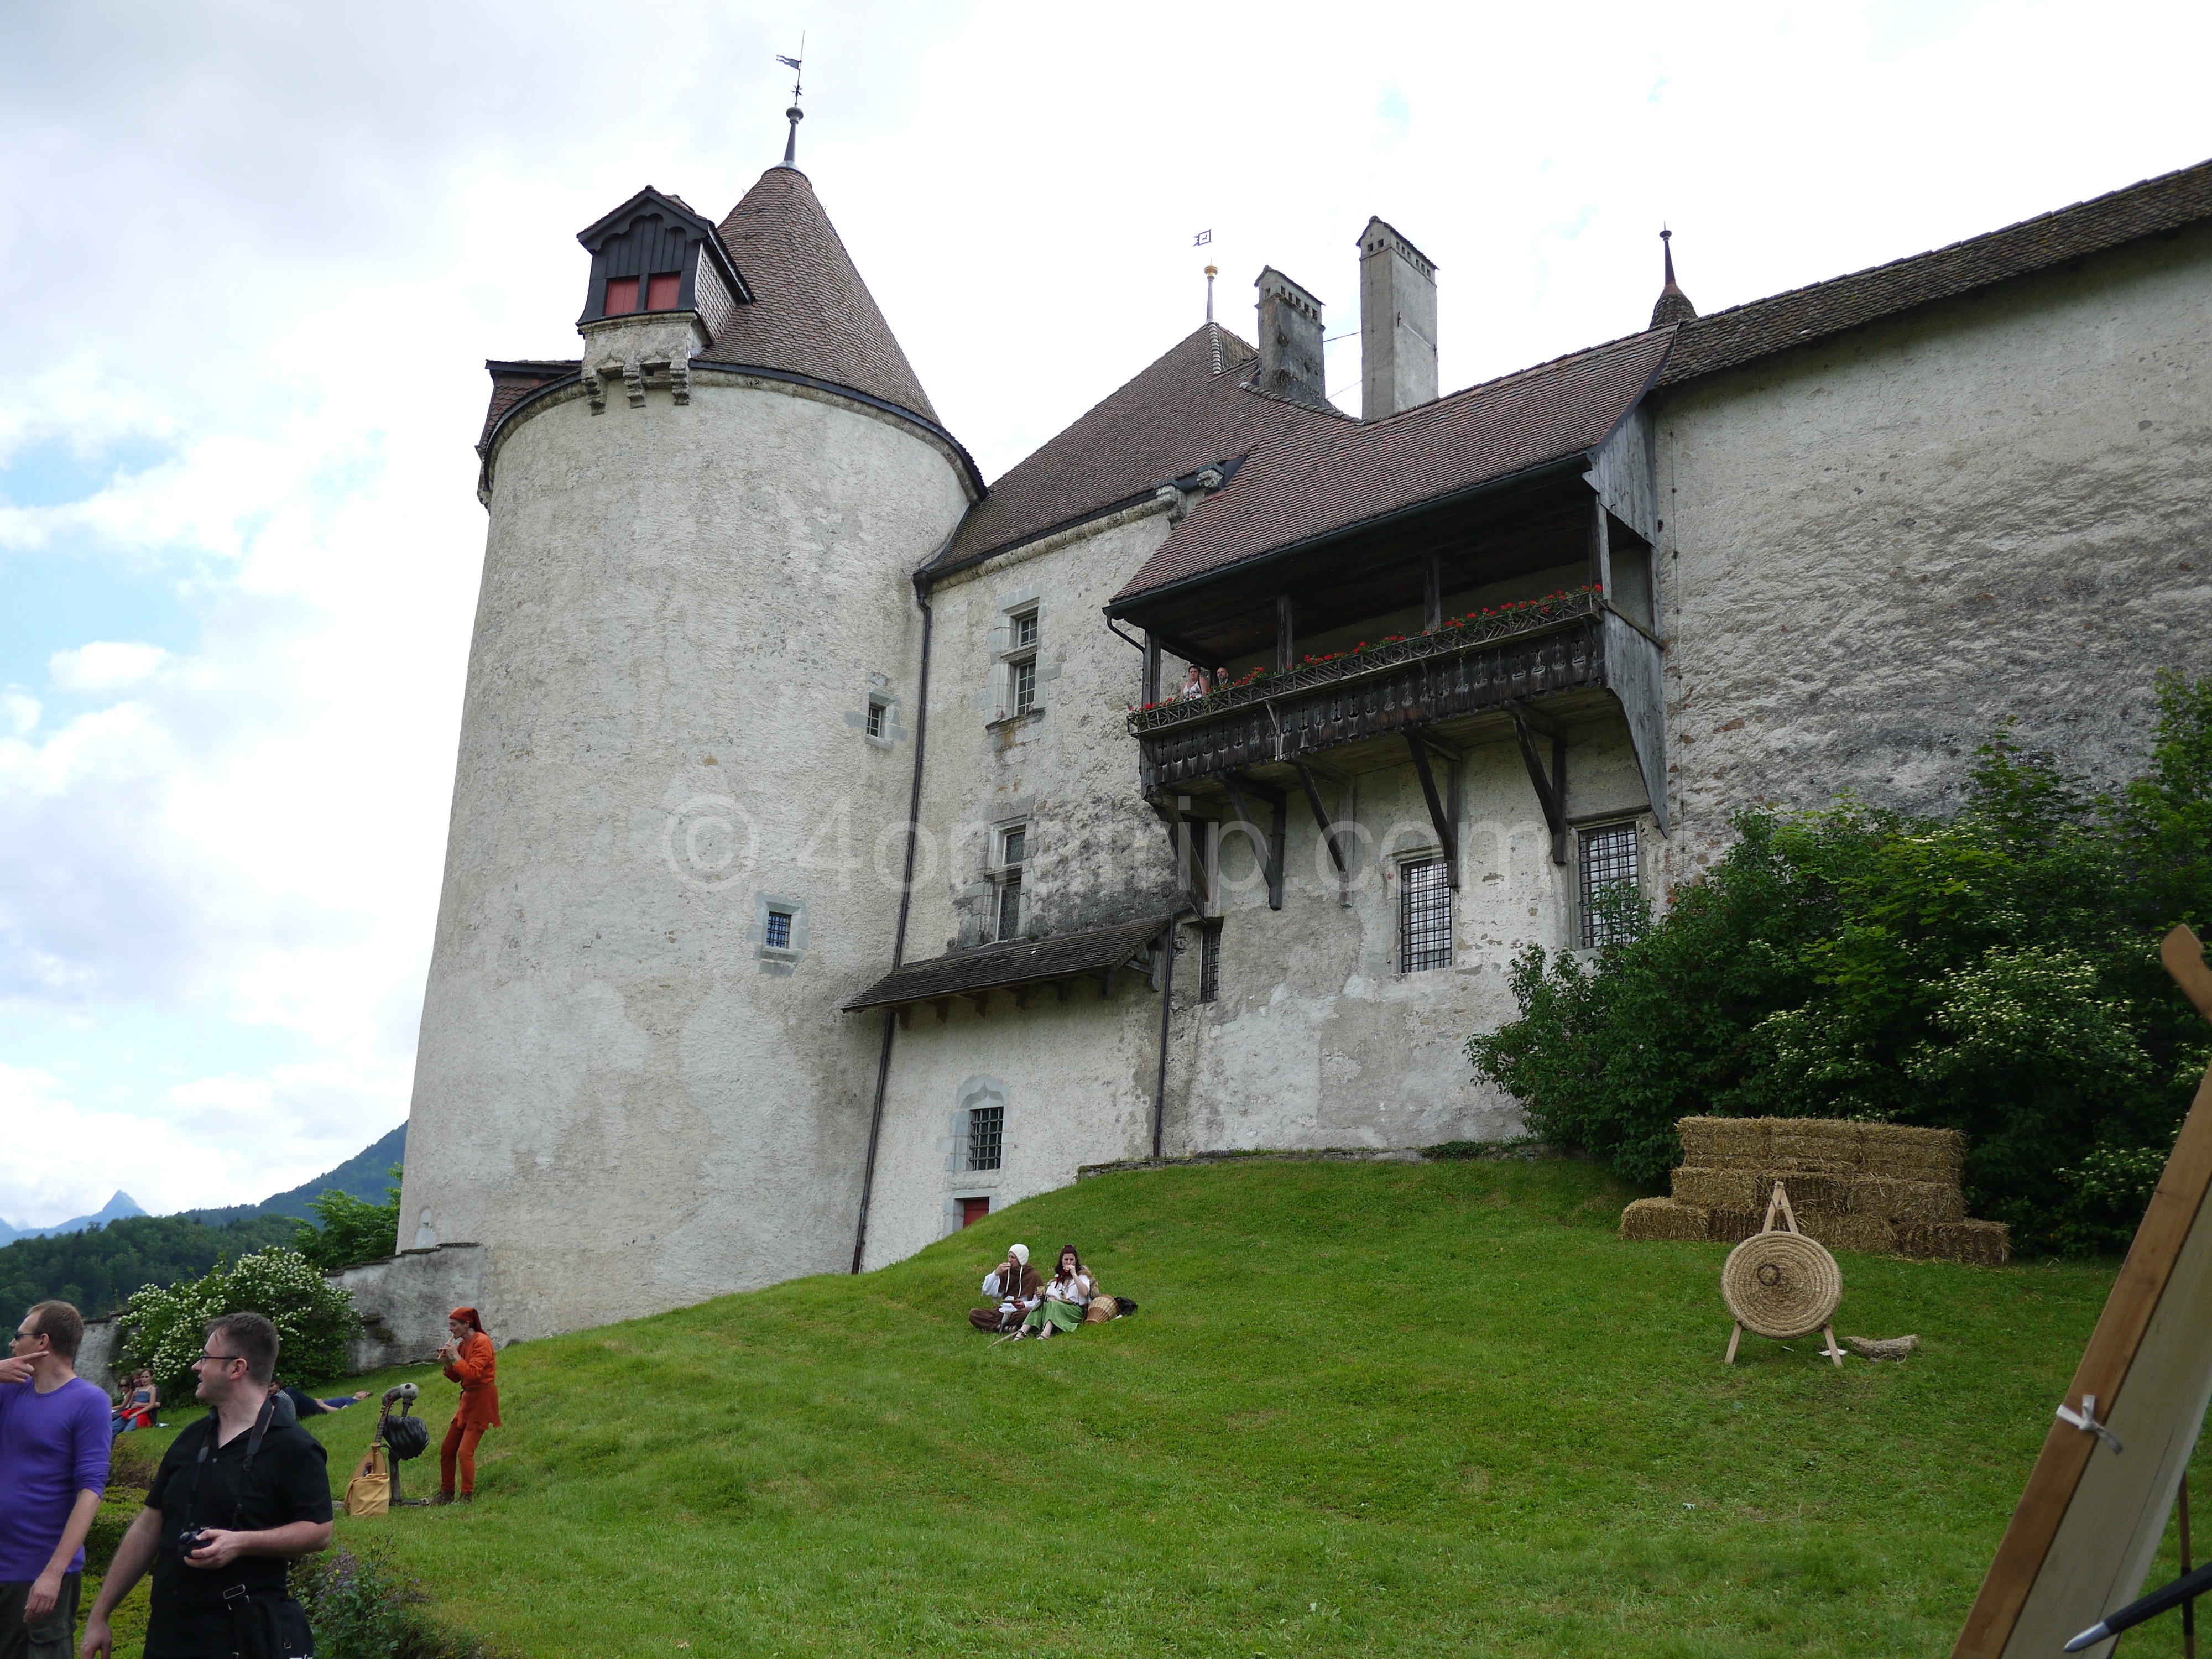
1364	1409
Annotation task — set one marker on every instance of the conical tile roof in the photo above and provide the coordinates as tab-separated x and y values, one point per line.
812	314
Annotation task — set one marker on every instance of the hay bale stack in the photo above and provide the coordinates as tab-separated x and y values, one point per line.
1663	1218
1883	1187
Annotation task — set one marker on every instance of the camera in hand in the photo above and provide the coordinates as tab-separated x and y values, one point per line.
190	1538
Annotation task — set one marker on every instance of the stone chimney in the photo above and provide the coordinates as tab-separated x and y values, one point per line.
1289	341
1397	322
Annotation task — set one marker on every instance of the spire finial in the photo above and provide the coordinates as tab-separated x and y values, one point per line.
795	114
1673	305
1211	271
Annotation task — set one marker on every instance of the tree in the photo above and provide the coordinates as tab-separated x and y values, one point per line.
1995	972
353	1229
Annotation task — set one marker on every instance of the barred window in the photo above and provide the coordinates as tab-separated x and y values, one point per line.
779	930
986	1136
1424	920
1209	961
1608	860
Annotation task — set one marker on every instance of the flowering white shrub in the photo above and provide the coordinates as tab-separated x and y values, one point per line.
166	1330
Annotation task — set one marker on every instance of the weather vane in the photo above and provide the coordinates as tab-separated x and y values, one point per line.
795	114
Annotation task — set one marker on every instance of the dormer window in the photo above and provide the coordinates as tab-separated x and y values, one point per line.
654	254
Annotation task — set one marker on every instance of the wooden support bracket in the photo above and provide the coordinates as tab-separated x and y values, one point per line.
1184	838
1550	791
1271	854
1437	814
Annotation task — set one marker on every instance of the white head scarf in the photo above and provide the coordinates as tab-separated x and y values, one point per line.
1021	1254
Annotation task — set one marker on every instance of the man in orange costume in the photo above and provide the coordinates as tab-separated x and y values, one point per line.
471	1361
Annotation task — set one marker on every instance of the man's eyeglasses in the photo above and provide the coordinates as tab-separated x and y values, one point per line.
217	1358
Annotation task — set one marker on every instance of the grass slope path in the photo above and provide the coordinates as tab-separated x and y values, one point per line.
1399	1409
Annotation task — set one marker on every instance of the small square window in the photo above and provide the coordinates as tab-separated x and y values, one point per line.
1024	686
622	295
875	718
1425	917
779	930
661	290
1608	860
986	1135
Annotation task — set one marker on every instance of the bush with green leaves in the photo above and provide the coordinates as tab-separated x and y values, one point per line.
359	1606
1995	972
352	1230
165	1330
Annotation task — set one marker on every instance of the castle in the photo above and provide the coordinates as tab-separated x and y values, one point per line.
835	857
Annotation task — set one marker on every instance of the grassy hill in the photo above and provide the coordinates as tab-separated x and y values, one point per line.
1397	1409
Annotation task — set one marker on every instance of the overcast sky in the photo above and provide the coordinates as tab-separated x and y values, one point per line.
256	255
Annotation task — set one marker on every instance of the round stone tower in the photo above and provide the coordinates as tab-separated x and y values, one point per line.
685	755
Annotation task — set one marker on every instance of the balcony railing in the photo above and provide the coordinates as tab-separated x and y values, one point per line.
1483	665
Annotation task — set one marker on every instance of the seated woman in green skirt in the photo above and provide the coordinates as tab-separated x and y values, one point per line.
1066	1297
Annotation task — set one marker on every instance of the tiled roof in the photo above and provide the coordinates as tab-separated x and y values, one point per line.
812	314
1326	476
1178	414
511	382
962	973
1727	338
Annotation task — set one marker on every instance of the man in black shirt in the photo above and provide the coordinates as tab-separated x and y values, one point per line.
254	1485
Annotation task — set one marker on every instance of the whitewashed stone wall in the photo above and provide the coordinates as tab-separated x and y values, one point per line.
1877	549
623	1090
1317	1040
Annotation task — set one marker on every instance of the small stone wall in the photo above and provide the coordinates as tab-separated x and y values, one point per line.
1884	1188
403	1302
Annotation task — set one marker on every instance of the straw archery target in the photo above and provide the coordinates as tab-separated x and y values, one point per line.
1781	1283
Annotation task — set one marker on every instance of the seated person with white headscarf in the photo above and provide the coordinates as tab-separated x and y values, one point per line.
1010	1289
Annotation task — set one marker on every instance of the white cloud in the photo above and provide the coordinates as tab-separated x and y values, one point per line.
103	665
65	1158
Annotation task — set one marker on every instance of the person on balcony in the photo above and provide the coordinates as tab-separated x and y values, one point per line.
471	1361
1193	683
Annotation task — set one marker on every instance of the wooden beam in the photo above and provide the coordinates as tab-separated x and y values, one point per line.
943	1007
1152	666
1286	638
1022	998
1554	805
1321	817
1065	987
982	1001
1106	982
1183	836
1436	815
906	1015
1433	593
1271	852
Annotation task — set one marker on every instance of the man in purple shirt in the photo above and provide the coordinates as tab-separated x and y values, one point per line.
54	1442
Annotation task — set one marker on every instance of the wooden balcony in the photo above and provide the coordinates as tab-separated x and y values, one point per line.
1485	668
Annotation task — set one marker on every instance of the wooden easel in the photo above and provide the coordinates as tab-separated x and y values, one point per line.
1779	1204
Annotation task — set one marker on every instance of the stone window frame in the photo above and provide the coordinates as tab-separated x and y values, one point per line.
1011	651
960	1182
1404	864
883	703
1579	919
780	960
1009	878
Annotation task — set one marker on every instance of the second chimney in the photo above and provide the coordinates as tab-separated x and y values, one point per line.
1289	341
1397	322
